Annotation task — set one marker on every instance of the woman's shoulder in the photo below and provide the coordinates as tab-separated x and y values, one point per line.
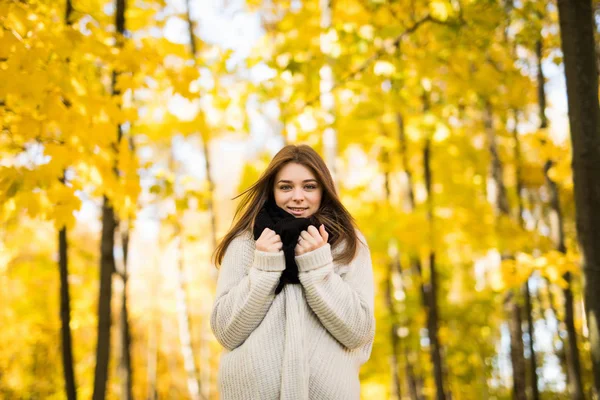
343	243
360	236
242	239
245	234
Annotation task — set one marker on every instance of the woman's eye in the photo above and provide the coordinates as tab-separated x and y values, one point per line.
286	187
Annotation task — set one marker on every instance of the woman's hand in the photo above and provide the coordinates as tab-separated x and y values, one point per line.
269	241
311	240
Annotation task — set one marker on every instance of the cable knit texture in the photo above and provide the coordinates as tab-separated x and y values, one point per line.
307	342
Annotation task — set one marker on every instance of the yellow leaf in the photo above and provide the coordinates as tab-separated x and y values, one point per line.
138	18
54	107
27	127
7	42
439	9
17	20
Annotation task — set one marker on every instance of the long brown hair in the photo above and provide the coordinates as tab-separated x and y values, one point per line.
336	218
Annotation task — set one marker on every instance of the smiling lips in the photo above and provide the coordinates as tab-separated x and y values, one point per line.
297	211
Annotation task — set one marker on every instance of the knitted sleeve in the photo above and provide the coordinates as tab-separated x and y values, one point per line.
245	290
343	305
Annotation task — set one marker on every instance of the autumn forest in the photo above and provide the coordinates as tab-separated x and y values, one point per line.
128	128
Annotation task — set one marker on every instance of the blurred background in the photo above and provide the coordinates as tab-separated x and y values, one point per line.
129	126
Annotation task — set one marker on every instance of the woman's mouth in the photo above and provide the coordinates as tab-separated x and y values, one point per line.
297	211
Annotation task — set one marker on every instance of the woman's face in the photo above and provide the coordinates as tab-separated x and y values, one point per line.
297	190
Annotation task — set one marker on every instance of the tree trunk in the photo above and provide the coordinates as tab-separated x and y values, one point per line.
516	347
570	353
497	190
327	98
65	298
125	365
211	188
535	393
577	35
394	260
499	199
415	383
184	329
573	363
394	363
205	351
65	316
541	88
410	204
431	289
107	244
107	267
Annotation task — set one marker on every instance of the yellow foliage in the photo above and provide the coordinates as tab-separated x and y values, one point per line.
393	87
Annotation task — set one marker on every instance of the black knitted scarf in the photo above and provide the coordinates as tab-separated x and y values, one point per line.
288	228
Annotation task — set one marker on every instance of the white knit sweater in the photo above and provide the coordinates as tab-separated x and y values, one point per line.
307	342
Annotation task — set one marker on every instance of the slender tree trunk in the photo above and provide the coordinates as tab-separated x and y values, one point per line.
410	204
415	383
535	393
497	192
205	352
107	259
556	223
541	82
573	363
431	289
211	186
65	298
326	91
65	316
107	267
192	37
389	295
125	365
516	347
194	387
394	363
577	35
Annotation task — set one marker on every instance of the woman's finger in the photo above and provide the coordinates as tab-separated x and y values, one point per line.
316	235
324	233
267	233
299	250
307	237
314	232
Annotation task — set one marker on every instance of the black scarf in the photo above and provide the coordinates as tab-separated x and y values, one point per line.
288	228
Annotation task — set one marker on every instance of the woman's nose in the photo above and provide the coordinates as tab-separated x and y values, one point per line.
298	194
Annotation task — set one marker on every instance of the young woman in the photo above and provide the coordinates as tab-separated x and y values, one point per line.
294	301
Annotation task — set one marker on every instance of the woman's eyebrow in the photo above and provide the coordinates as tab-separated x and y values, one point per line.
306	180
